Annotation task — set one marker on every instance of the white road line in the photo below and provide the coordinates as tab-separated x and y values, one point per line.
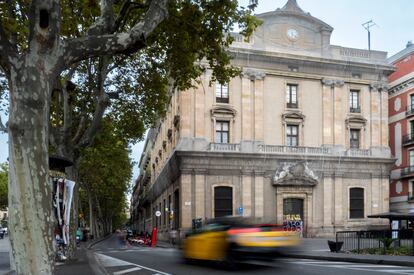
398	271
108	261
127	271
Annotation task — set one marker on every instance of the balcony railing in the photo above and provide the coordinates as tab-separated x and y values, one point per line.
353	152
355	109
225	147
408	139
410	110
294	150
407	171
410	197
292	105
222	99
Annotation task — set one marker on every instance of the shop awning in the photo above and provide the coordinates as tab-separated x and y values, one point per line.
395	216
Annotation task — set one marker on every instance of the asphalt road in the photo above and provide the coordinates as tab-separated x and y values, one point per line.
119	259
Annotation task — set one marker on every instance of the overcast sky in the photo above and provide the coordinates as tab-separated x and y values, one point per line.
395	27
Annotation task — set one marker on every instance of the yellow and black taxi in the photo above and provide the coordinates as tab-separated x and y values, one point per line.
234	239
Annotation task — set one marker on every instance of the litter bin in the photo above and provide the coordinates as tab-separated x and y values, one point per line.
335	246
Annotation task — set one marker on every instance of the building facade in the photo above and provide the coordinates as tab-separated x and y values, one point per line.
401	123
302	134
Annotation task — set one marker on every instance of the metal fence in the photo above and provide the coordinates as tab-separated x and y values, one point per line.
376	241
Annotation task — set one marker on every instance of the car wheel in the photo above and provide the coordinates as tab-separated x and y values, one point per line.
230	262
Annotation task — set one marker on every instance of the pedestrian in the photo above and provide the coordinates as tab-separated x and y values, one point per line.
173	237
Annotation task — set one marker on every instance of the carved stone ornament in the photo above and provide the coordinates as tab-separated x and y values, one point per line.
253	74
333	82
379	86
295	174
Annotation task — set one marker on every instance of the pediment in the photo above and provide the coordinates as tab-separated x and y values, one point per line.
223	110
293	115
295	174
356	121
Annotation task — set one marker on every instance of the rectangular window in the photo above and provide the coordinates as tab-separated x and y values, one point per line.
165	212
222	93
222	132
354	138
292	135
412	101
356	203
354	101
223	201
292	96
411	158
410	190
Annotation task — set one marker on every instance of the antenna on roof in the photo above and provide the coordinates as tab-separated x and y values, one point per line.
368	25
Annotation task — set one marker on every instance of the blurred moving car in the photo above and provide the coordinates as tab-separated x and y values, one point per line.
234	239
1	233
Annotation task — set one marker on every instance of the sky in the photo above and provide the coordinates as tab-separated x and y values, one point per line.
394	28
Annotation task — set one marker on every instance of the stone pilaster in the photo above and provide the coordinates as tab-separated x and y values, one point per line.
377	113
259	195
199	110
200	211
247	194
258	110
185	198
327	201
252	104
339	204
185	113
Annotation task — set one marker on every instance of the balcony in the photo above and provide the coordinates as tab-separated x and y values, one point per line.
260	148
410	111
407	172
355	110
222	99
292	105
224	147
280	149
408	140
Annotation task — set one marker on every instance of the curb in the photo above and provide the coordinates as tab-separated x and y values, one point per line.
353	260
98	241
97	268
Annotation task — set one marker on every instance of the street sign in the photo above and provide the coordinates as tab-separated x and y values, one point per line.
240	210
158	213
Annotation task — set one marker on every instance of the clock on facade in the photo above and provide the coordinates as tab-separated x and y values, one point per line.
292	34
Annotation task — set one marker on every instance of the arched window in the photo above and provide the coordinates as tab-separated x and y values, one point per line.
356	203
223	201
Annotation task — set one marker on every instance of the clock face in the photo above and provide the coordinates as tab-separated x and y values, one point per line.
292	34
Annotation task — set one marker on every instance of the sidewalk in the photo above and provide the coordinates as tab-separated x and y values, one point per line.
317	249
84	262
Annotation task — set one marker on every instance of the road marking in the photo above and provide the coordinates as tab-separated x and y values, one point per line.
127	270
362	267
108	261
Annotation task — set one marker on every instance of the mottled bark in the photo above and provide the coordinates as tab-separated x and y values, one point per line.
30	193
30	78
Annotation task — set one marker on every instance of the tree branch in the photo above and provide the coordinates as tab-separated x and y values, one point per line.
79	131
67	110
8	51
94	45
102	101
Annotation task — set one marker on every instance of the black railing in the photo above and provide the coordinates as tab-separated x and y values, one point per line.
410	110
411	197
407	171
354	109
407	139
222	99
292	105
377	241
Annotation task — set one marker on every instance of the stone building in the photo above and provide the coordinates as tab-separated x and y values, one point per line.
302	134
401	123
